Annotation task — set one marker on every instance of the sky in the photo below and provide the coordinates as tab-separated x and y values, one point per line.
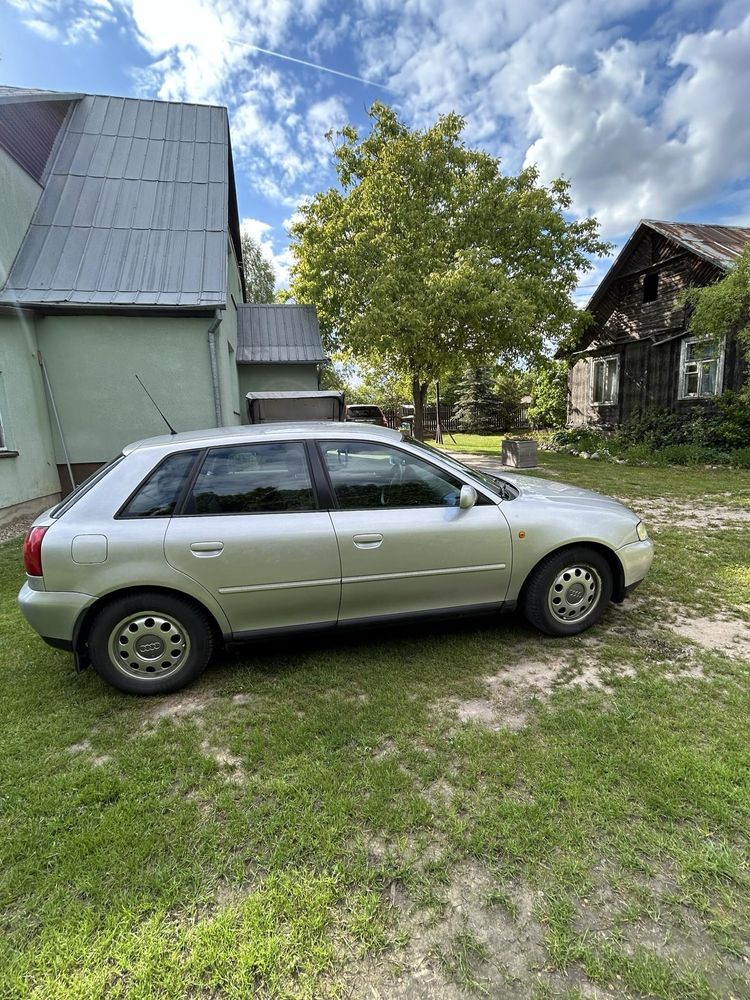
641	104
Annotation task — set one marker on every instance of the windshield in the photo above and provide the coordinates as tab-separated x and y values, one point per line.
494	483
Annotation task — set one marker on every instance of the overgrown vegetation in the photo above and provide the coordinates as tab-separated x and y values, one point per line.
716	435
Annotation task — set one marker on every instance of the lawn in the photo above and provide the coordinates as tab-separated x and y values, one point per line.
454	811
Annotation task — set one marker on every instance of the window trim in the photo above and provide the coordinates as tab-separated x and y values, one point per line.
690	396
180	511
320	442
594	362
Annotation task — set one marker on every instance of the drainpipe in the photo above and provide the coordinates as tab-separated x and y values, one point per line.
214	366
42	365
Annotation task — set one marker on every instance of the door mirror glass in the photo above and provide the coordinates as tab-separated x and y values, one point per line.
468	497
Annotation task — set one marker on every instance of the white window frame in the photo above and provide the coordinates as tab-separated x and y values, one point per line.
681	394
594	362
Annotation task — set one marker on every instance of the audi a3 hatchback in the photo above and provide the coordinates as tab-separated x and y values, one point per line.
189	541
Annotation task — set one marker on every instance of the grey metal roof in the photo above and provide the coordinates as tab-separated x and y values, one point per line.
134	209
270	334
11	95
719	245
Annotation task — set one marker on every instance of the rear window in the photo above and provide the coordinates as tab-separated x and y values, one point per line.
157	495
253	479
85	486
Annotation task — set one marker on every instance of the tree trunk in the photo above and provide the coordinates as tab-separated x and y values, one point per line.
418	393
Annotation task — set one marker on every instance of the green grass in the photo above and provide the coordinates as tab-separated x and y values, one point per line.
353	830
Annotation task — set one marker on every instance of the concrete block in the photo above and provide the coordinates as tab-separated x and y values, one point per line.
519	453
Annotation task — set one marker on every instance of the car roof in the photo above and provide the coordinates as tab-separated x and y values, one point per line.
215	436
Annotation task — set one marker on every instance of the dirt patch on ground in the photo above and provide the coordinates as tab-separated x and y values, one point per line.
480	942
230	764
643	915
16	528
178	706
697	514
729	636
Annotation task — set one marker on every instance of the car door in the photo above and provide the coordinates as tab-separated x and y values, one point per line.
405	544
252	534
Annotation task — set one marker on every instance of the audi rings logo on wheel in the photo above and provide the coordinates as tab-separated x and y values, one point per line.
150	647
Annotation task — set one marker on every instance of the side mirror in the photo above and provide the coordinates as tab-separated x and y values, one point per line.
468	497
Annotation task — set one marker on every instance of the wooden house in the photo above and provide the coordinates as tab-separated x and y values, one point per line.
638	353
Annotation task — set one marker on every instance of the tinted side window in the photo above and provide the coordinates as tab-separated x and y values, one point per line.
158	495
253	479
365	476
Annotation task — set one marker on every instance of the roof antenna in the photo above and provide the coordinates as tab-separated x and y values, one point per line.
171	428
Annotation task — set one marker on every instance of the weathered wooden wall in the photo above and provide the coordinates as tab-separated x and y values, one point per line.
646	336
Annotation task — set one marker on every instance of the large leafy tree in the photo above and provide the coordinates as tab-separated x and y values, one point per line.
258	272
426	258
724	308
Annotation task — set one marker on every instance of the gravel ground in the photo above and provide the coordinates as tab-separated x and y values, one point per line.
16	528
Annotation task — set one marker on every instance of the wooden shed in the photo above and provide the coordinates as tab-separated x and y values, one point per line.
638	353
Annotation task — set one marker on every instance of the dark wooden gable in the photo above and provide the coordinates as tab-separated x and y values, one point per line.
641	296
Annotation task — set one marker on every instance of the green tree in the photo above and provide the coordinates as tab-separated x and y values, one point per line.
724	308
511	385
258	272
477	405
427	258
549	394
382	388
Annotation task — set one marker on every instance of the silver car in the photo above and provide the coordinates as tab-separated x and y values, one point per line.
186	542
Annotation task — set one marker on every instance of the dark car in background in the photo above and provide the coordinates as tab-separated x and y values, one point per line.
360	413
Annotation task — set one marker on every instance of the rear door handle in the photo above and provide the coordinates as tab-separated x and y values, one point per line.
206	548
371	541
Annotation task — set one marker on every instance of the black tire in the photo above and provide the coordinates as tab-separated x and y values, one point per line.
150	643
549	586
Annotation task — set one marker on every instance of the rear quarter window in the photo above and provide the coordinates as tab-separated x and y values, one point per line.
158	494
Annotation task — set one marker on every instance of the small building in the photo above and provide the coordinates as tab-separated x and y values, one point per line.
120	257
638	353
278	348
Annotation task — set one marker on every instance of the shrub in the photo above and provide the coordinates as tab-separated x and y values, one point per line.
740	458
580	439
691	454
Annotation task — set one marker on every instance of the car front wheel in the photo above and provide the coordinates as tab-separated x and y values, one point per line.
568	591
150	643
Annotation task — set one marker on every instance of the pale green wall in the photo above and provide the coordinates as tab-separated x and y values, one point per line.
19	195
31	474
92	362
269	378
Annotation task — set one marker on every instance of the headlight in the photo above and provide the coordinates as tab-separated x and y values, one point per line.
642	531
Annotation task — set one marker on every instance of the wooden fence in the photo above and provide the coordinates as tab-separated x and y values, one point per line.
450	422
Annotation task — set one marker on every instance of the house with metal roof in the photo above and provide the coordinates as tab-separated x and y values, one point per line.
638	353
120	257
278	348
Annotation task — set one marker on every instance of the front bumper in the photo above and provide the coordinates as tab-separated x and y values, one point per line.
636	558
53	614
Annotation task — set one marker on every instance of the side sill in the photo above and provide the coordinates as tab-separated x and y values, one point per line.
467	611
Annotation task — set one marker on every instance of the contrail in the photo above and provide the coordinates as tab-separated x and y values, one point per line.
304	62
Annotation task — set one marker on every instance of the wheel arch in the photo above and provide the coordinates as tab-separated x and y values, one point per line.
87	616
613	560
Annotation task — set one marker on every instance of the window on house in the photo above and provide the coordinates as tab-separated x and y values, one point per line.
700	368
604	380
650	287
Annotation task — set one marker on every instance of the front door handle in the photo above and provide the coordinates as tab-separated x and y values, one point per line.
371	541
201	549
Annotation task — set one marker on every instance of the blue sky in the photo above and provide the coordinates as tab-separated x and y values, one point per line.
641	103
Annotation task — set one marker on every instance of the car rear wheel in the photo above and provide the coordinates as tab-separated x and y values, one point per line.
150	643
568	591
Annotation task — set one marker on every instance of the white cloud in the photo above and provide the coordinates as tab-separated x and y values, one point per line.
626	163
262	233
66	21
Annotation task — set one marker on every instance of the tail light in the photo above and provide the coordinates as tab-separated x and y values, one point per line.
32	550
